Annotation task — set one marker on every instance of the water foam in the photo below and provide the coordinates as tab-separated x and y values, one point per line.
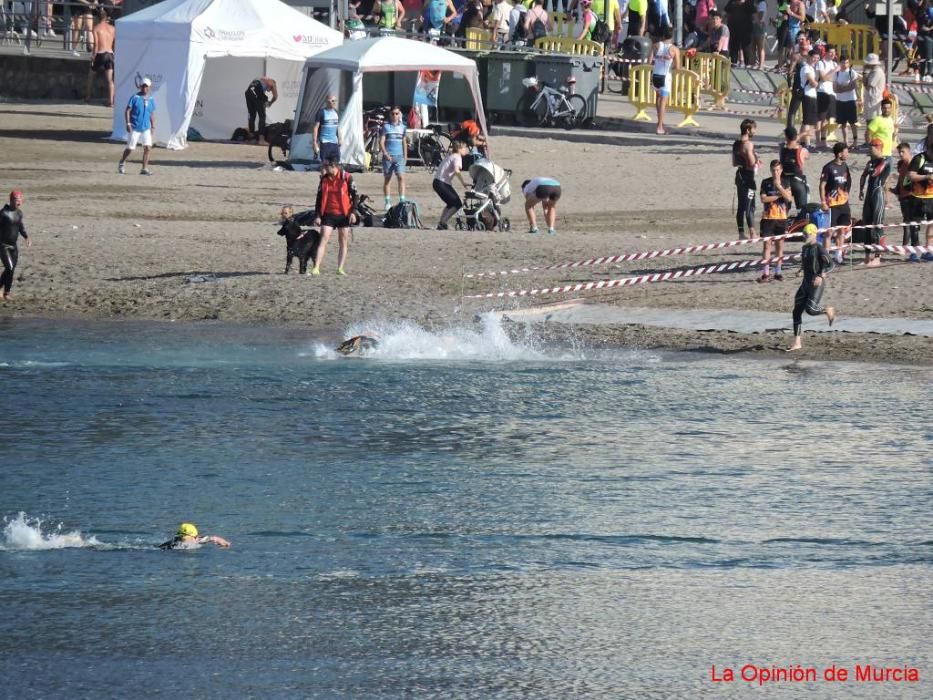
24	533
405	340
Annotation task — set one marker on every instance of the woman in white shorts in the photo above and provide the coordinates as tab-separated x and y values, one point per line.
664	55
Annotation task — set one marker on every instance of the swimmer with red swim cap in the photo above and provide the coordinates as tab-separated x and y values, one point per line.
11	228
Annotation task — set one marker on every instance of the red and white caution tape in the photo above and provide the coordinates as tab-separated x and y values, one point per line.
626	257
630	281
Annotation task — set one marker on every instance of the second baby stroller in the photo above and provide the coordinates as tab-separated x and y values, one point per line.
482	203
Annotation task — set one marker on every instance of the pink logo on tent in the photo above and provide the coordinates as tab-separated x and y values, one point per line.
309	39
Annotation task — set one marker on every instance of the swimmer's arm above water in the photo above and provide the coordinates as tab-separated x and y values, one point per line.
214	539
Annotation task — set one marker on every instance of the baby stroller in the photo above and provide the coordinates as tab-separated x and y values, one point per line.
482	203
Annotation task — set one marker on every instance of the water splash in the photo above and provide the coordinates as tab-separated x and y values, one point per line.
405	340
24	533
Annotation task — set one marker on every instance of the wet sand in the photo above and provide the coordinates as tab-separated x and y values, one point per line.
196	241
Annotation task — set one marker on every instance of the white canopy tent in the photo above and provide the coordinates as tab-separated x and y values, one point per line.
339	71
202	54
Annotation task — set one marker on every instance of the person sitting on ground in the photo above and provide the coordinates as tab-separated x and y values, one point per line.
187	538
545	190
102	61
443	182
336	200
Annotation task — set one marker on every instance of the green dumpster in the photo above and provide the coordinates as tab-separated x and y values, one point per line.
505	71
556	68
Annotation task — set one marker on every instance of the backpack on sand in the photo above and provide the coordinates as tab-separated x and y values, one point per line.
403	215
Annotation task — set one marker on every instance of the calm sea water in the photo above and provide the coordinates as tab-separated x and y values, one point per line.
458	516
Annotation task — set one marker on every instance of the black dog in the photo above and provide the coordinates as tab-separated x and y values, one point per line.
299	243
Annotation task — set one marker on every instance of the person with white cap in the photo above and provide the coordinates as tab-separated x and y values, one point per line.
874	81
139	125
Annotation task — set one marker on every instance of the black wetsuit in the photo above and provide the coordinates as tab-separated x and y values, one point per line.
11	228
256	105
815	263
790	164
745	188
876	172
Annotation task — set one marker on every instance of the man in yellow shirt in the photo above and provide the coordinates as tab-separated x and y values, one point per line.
637	9
883	128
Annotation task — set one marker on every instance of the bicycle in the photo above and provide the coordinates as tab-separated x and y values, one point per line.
543	105
433	147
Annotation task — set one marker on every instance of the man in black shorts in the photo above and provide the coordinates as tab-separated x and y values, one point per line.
776	197
920	173
336	199
810	106
835	185
547	191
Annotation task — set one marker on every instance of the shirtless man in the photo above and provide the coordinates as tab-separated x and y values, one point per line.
102	59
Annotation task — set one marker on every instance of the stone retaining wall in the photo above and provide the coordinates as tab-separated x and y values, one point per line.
47	78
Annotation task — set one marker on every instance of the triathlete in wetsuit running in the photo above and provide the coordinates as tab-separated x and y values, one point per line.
746	162
11	228
815	264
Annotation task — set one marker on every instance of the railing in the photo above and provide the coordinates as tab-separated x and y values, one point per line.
63	25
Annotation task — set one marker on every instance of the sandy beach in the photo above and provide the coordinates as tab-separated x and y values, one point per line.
196	241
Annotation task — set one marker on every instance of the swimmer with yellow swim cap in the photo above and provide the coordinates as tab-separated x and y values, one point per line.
815	264
187	538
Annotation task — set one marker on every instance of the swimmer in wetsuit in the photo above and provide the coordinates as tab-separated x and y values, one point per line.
875	174
746	163
11	228
815	265
357	345
187	538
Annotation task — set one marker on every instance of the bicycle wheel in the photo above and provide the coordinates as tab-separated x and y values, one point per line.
578	107
523	112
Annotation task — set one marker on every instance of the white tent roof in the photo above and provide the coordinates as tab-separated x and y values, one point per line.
264	28
392	54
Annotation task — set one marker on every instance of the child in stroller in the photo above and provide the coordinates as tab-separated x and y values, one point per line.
482	203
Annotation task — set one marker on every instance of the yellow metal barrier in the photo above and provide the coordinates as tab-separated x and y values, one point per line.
715	73
477	39
854	40
640	91
580	47
685	95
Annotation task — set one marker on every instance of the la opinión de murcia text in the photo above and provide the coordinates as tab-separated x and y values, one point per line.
797	673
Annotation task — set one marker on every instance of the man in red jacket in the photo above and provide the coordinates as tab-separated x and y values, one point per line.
336	199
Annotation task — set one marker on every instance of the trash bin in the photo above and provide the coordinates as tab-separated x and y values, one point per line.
555	69
634	48
505	71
